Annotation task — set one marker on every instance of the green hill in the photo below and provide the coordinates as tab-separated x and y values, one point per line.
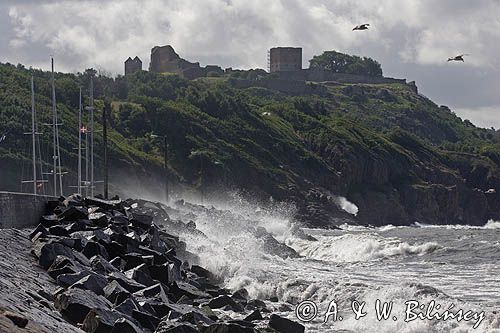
394	153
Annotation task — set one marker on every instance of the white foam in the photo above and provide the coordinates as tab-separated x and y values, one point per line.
358	247
489	225
346	205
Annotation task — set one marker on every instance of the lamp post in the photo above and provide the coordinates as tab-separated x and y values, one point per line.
165	161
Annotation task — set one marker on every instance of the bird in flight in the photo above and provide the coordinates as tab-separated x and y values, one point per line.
361	27
459	57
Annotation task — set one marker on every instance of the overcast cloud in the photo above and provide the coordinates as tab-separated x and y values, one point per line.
411	38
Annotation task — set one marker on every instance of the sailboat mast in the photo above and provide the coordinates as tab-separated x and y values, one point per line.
33	133
80	144
91	137
54	134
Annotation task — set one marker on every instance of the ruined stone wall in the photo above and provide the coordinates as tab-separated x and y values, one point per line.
285	86
133	65
285	59
20	210
319	75
165	60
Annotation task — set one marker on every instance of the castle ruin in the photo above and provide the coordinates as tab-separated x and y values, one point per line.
165	60
133	65
284	59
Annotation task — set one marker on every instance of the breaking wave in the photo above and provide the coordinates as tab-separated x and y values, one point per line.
358	247
489	225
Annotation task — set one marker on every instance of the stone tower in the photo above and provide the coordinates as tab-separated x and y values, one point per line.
283	59
133	65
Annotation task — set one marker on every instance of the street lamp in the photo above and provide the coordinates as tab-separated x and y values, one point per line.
165	159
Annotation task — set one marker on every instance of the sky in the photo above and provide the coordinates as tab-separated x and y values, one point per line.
411	39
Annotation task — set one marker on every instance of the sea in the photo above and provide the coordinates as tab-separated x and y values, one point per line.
427	278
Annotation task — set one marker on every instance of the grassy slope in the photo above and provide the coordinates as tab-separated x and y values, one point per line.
394	153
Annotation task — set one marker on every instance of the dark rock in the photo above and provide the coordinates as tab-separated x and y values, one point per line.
284	325
141	220
255	315
40	230
73	200
93	248
145	319
118	263
46	252
58	230
75	304
48	221
159	273
115	250
240	295
66	280
73	213
100	220
129	284
100	320
195	317
93	282
62	265
242	323
128	306
156	291
228	328
202	272
123	325
17	319
101	265
115	293
173	327
140	274
222	301
133	260
179	288
104	204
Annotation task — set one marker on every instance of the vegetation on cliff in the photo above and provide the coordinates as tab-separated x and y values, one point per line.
345	63
398	156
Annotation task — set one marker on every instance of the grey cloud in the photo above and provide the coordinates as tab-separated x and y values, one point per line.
410	38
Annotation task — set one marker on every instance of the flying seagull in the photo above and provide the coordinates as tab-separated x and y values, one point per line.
361	27
459	57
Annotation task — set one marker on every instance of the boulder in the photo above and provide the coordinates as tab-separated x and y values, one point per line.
156	291
127	283
128	306
173	327
115	293
202	272
18	320
93	248
66	280
101	265
284	325
222	301
140	274
47	251
75	304
179	289
123	325
92	282
145	319
228	328
100	320
141	220
255	315
73	213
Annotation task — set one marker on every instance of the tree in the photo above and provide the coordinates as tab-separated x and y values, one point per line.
344	63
